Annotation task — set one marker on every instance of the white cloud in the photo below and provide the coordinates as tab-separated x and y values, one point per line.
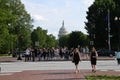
39	18
87	2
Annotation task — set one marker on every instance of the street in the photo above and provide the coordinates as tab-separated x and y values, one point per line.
11	67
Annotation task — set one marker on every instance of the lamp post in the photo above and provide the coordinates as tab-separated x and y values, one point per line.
117	19
92	35
19	47
10	41
109	44
92	42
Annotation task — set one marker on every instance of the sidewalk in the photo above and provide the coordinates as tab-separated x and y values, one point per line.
11	59
53	70
7	59
54	75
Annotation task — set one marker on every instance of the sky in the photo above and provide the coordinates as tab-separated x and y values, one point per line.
49	14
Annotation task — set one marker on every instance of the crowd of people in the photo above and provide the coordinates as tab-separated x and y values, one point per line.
53	53
74	54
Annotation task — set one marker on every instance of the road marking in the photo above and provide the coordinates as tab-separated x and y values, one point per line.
5	73
111	70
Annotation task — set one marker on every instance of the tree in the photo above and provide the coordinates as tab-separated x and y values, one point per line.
51	41
25	38
77	38
97	25
5	18
40	35
115	26
63	41
23	24
74	39
14	22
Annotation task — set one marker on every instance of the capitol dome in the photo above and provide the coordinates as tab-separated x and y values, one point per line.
62	31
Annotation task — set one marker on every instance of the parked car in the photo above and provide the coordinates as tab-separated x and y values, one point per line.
106	52
23	53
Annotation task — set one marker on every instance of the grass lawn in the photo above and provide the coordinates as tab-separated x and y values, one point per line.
103	77
4	55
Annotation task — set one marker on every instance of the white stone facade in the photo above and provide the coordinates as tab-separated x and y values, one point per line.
62	31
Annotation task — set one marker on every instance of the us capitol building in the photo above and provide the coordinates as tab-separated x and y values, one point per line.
62	31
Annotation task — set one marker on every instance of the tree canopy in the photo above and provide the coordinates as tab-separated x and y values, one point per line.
39	35
14	23
97	24
74	39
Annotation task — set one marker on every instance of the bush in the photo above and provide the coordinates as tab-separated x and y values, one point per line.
105	77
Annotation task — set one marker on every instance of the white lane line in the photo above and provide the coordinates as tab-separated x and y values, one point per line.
1	73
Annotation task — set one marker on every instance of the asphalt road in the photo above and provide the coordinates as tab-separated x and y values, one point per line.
102	65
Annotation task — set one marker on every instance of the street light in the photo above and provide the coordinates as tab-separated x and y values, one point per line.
20	39
118	19
92	35
10	42
109	44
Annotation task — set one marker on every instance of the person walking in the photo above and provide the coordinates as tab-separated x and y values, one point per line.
93	59
117	54
76	58
86	52
27	53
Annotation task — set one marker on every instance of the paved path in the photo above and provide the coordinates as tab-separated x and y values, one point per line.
56	65
54	75
52	70
11	59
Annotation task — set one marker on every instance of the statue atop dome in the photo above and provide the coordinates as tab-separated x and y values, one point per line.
63	23
62	30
